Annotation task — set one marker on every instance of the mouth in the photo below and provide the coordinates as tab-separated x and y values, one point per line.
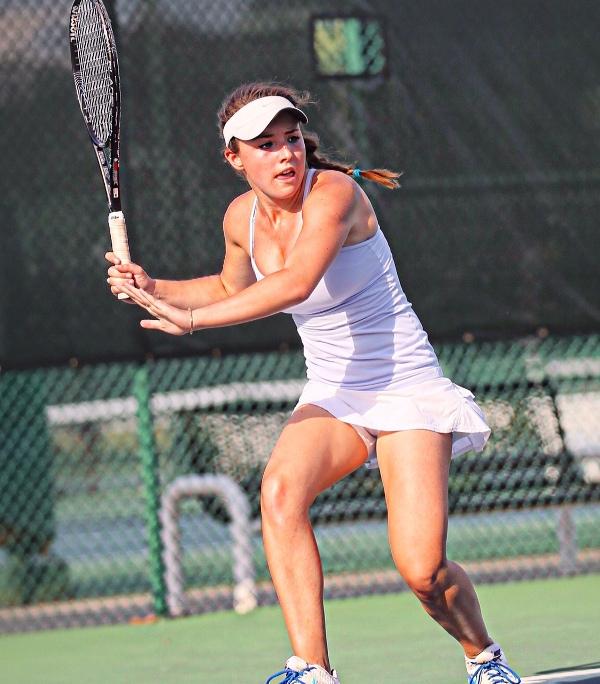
286	174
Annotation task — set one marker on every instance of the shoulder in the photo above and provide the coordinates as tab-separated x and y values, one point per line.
334	190
237	215
328	179
240	206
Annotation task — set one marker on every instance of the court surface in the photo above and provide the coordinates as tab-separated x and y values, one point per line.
543	625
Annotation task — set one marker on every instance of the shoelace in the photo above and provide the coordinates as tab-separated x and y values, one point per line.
290	675
497	673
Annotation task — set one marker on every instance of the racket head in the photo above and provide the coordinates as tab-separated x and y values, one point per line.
96	71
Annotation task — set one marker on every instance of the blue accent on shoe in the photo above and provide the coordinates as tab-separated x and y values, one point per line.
290	675
496	672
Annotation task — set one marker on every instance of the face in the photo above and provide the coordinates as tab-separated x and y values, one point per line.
274	162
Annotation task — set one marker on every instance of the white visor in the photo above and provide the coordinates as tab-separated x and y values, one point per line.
252	119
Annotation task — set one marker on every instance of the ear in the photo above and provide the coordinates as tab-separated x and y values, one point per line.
234	159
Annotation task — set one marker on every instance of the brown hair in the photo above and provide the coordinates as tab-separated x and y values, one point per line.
248	92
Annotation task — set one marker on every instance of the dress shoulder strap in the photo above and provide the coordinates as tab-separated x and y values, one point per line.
307	183
251	226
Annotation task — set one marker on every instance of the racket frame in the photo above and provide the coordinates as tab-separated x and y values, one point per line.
108	163
107	151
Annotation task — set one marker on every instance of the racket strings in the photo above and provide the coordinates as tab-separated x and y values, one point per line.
96	69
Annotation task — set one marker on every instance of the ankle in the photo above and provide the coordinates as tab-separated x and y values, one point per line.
319	662
474	650
477	655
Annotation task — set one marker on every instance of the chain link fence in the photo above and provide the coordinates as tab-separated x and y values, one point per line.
132	490
494	122
130	462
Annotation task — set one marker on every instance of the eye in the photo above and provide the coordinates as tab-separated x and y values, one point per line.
293	138
266	145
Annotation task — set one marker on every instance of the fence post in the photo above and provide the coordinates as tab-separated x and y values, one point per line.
567	540
150	479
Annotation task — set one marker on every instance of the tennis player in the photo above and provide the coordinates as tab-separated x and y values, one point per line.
305	240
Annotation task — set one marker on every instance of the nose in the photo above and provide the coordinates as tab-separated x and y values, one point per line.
286	152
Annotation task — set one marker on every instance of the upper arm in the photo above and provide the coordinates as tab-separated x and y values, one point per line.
327	219
237	273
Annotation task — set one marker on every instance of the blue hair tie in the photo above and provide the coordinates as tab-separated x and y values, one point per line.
356	174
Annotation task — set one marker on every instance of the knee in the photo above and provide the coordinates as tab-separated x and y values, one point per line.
426	581
281	500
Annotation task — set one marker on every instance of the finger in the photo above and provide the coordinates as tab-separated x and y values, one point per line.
129	268
114	273
141	295
141	299
152	324
116	291
162	326
112	257
135	292
119	281
132	292
155	310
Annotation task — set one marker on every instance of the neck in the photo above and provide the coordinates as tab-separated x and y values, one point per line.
277	209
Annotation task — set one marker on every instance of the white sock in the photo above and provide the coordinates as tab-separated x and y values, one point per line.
491	652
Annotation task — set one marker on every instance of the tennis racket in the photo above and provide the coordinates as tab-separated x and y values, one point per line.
96	75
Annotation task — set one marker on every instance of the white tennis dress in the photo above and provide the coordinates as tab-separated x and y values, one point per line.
369	362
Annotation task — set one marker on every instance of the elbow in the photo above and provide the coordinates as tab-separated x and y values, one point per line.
299	289
304	291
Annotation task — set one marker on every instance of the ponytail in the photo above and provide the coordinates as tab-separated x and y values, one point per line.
317	160
248	92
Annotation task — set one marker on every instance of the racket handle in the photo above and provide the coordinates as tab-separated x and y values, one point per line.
118	237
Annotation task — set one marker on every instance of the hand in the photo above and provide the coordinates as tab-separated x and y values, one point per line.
169	319
129	274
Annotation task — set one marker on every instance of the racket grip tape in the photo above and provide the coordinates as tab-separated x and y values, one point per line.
118	237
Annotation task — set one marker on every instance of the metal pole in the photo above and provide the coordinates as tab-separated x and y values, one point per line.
150	478
236	501
567	539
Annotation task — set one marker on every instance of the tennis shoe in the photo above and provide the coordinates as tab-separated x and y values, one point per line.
299	671
490	667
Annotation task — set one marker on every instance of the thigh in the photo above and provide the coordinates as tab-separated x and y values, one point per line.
414	468
314	451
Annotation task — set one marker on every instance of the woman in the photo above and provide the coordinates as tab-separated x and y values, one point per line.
305	240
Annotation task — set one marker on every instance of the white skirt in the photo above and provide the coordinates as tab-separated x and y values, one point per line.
435	404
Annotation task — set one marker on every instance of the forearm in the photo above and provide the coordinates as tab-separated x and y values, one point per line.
271	295
194	293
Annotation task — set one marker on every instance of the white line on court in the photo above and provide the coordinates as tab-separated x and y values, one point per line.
562	676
